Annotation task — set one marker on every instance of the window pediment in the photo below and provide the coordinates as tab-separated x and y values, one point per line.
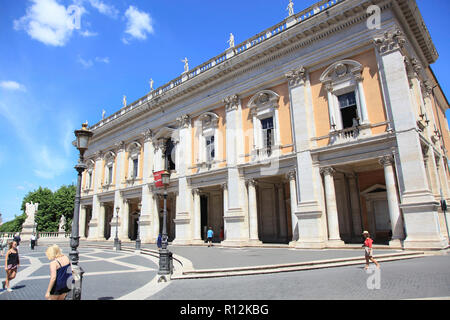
341	73
263	103
209	120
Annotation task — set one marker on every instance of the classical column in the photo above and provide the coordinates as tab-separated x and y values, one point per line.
282	211
82	224
307	209
125	218
332	215
293	195
252	210
197	215
225	208
393	203
418	205
101	222
356	209
235	217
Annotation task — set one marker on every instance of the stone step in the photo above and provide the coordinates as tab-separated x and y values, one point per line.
227	272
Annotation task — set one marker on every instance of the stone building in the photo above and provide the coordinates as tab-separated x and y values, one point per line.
310	132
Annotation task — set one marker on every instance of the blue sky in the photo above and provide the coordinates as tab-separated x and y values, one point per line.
53	77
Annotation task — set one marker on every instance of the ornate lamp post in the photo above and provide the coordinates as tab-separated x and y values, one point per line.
164	254
83	136
117	245
138	236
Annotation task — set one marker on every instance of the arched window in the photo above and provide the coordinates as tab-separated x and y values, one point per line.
109	168
266	129
346	100
208	140
134	151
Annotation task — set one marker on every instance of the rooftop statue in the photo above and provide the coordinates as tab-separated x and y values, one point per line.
124	101
186	65
231	41
290	8
103	114
151	84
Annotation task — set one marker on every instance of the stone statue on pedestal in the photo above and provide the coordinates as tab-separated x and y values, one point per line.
62	224
28	225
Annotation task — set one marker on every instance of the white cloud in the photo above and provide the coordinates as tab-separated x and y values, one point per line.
88	33
85	63
105	9
104	60
139	24
12	85
48	22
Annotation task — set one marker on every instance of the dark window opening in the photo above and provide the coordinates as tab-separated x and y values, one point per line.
135	168
349	112
210	152
169	155
268	134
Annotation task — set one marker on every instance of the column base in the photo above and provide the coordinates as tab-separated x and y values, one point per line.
254	242
396	243
431	244
335	243
307	244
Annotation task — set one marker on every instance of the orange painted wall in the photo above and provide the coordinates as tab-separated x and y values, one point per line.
284	119
372	92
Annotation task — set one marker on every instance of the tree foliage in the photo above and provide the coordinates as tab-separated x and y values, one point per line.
52	205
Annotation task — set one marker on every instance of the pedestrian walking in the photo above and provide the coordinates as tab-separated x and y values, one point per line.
60	274
210	235
368	250
12	263
17	239
33	241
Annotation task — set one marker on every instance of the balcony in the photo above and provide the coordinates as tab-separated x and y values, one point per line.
344	136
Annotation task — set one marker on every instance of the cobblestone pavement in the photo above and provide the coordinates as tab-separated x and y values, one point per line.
108	275
407	279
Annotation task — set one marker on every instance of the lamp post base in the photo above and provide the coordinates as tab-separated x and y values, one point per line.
77	273
165	262
117	244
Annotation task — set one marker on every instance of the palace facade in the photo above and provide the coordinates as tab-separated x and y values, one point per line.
312	131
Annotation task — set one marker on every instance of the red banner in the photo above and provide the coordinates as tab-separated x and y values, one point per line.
158	179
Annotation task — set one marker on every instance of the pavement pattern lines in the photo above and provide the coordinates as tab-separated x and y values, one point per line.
104	273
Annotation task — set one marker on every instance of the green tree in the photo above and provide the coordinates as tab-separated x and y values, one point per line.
45	217
64	199
14	225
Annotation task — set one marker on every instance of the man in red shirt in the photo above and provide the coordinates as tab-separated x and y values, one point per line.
368	250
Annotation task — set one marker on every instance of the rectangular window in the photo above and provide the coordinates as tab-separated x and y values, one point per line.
348	107
135	168
90	180
268	134
110	174
210	151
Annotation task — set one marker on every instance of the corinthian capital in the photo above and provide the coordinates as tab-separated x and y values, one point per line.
148	135
427	88
390	41
120	146
231	102
183	121
327	171
98	155
386	160
296	76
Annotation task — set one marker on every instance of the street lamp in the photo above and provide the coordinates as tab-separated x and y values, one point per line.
117	246
83	136
165	255
138	236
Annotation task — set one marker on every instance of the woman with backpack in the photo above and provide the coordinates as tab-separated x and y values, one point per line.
60	273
